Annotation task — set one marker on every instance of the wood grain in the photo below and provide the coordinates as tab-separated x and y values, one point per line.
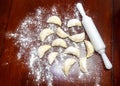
116	42
4	15
106	16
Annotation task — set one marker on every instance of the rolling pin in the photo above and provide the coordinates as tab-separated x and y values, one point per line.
94	36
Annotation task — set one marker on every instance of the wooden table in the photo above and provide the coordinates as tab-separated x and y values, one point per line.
106	15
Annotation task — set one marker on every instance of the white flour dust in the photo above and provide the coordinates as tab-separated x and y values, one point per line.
27	39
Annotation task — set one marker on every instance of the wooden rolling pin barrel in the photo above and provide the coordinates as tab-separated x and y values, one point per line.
94	35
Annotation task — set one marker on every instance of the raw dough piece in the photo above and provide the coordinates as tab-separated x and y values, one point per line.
90	48
61	33
52	56
59	42
78	37
43	49
72	50
68	64
54	20
73	22
44	33
83	64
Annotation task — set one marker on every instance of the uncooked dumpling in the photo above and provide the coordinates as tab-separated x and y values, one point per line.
43	49
59	42
44	33
83	64
52	56
61	33
72	50
90	48
73	22
54	20
68	64
77	37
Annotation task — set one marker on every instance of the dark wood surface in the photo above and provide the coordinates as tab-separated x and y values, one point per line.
116	44
106	15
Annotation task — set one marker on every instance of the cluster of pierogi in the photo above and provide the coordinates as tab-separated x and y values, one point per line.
60	42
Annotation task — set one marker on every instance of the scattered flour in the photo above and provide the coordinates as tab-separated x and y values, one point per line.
27	39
